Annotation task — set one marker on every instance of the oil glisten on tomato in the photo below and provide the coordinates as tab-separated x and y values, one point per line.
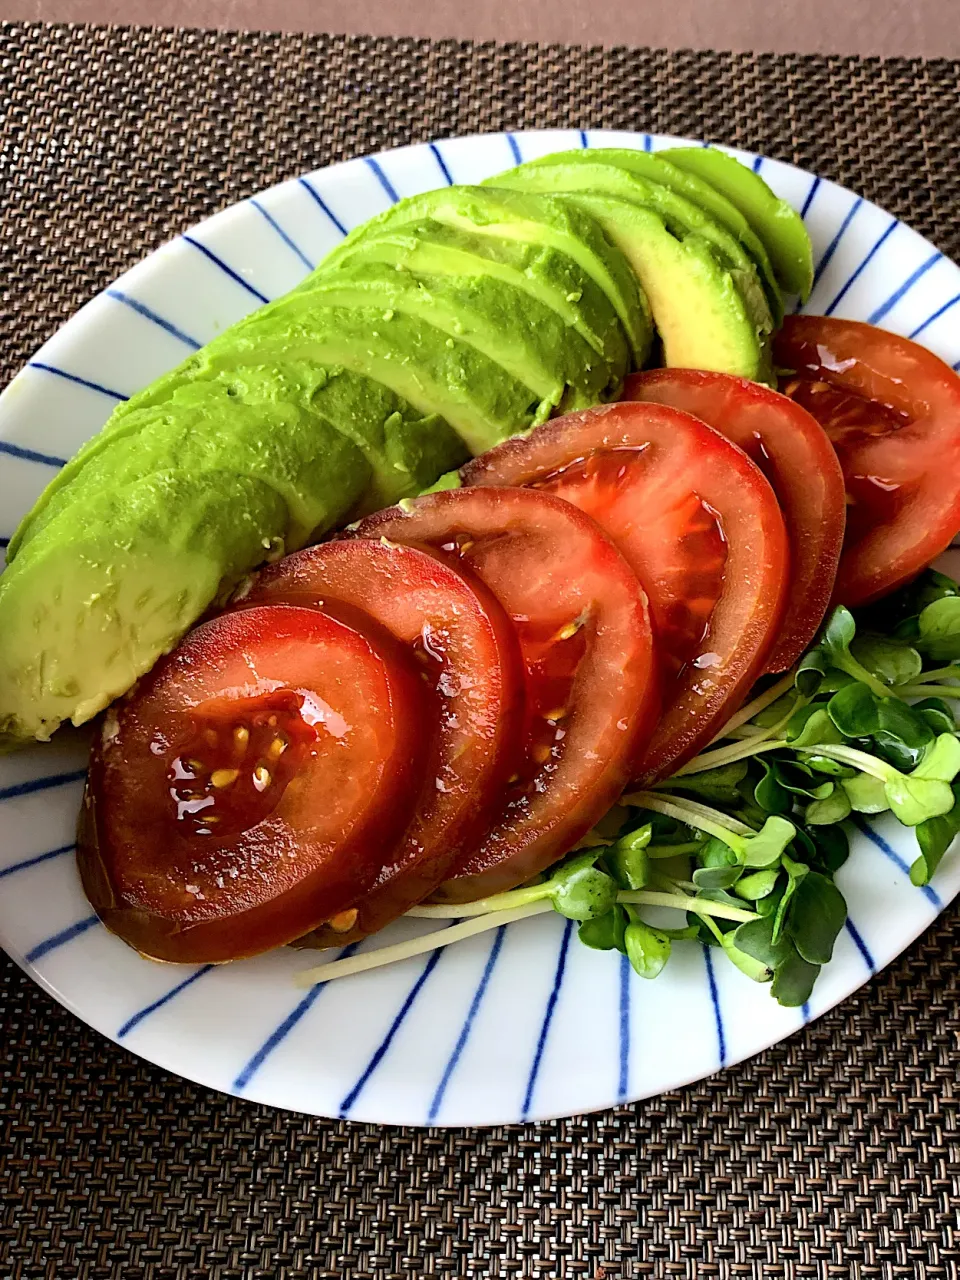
252	786
591	688
892	410
469	662
699	525
794	453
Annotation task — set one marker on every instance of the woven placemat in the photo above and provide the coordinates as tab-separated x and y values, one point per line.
834	1154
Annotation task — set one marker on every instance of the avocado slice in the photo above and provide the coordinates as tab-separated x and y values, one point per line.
652	166
775	221
590	174
699	312
527	219
114	582
315	470
556	307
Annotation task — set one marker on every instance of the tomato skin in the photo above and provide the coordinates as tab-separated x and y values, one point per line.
586	640
674	454
470	660
796	456
892	410
308	852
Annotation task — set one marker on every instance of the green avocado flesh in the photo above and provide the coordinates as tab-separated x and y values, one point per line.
528	219
646	164
777	223
680	218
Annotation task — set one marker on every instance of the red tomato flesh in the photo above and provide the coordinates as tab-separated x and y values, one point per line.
252	786
698	524
470	662
794	453
585	638
892	410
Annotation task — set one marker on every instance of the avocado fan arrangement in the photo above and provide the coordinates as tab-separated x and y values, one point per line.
610	625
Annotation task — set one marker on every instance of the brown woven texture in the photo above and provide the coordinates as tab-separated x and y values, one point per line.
834	1154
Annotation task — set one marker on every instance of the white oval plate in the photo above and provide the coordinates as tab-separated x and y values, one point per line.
522	1025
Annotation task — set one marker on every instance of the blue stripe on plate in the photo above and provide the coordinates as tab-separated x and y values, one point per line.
280	1032
547	1018
41	784
287	240
907	285
584	141
319	200
861	946
878	842
623	1081
73	377
854	276
832	246
31	455
4	542
164	999
515	148
59	939
467	1027
814	188
715	1001
936	315
757	162
35	861
441	164
382	178
235	276
385	1043
647	142
806	1011
143	310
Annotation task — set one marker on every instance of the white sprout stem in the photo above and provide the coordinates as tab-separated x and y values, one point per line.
850	755
926	690
758	704
689	812
415	946
742	750
482	906
941	673
700	906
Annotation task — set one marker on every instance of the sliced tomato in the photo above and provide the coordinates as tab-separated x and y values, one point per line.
698	524
793	452
590	683
892	410
252	786
470	661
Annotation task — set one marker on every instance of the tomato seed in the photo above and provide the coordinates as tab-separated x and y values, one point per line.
223	777
344	920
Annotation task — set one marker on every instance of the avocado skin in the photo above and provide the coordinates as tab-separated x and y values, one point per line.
590	174
654	168
775	221
528	218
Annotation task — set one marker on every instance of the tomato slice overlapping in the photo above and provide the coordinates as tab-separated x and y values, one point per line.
590	680
253	785
892	410
699	525
469	661
795	454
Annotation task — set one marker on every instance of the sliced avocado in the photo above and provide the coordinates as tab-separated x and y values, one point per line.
113	583
432	371
652	166
775	221
593	176
316	471
527	219
555	306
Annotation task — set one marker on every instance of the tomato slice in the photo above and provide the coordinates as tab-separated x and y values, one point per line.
252	786
793	452
892	410
699	525
590	682
470	660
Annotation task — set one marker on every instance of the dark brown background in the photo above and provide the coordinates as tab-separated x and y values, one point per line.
928	28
